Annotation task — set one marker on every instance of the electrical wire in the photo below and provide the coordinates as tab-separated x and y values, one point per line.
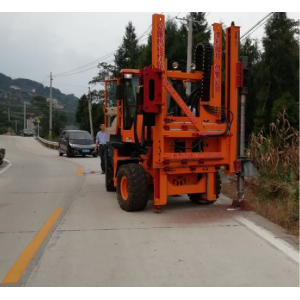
247	33
256	28
60	83
86	65
145	32
83	67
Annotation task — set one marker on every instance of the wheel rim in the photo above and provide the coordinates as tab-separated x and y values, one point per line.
124	188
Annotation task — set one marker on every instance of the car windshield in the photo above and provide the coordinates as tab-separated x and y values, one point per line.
80	136
27	131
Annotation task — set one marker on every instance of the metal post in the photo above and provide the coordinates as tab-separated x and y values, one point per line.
9	107
90	112
189	53
50	113
190	22
25	125
241	179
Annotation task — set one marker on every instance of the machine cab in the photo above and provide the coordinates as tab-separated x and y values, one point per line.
120	94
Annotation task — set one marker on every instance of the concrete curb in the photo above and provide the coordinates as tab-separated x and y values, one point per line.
9	164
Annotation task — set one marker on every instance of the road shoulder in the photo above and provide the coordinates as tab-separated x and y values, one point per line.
5	166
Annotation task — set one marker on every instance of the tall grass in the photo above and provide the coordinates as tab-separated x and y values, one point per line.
275	194
277	153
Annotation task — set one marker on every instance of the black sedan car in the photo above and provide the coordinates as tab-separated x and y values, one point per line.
76	142
26	132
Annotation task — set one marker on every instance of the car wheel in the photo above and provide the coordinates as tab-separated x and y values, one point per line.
69	152
59	152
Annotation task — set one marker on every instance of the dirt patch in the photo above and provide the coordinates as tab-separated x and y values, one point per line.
273	200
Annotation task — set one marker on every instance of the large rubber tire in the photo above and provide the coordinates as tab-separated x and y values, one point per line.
68	152
197	198
59	152
132	180
109	169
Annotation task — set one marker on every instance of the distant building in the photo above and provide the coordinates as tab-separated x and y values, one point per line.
30	123
55	103
15	87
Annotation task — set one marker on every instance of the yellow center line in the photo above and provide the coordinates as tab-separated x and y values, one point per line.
22	262
79	171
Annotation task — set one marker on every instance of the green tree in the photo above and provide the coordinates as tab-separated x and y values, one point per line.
128	53
98	116
59	121
175	44
176	41
279	69
40	108
249	48
82	114
145	57
201	31
106	71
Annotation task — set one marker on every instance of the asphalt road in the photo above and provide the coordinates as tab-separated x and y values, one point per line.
59	227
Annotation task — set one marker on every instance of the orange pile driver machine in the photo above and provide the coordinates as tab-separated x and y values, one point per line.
161	137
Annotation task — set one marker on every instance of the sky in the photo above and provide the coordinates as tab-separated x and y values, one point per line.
35	44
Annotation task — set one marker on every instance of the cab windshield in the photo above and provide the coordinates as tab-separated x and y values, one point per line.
80	136
130	86
130	90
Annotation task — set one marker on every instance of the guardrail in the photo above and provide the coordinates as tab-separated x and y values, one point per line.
49	144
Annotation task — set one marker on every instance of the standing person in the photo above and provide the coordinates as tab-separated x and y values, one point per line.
101	139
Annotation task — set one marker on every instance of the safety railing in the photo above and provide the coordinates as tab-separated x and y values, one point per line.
49	144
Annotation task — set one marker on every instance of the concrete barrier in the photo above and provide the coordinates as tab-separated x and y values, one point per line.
49	144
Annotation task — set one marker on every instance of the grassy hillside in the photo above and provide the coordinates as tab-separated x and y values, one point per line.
12	100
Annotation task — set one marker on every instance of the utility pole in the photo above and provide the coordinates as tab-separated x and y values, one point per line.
189	53
189	49
50	104
90	113
25	125
9	107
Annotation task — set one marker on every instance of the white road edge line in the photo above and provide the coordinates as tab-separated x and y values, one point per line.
271	238
7	167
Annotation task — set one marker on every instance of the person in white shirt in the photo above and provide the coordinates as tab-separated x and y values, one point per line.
101	139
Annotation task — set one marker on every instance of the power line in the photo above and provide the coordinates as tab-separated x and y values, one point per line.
256	28
247	33
78	72
145	32
94	67
74	71
83	67
86	65
60	83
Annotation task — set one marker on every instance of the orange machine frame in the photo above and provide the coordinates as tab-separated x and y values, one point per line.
178	173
